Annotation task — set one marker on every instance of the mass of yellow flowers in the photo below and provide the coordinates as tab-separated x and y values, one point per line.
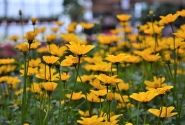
116	78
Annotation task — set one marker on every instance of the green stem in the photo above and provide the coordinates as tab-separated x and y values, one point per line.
24	96
137	119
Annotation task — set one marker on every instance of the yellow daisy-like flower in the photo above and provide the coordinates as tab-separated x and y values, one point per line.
51	38
128	123
79	49
163	112
33	20
14	38
99	93
84	113
71	27
123	17
87	25
96	84
49	86
35	88
65	76
144	96
181	13
168	19
163	89
107	80
91	97
24	47
30	36
7	61
116	58
34	62
50	59
112	121
69	61
123	86
94	120
56	50
156	83
85	78
75	95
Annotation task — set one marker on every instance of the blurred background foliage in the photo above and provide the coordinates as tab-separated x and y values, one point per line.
74	9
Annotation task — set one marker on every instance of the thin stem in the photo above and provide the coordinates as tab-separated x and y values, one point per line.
137	119
50	72
24	96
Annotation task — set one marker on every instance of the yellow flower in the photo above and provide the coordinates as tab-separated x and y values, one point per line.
56	50
75	95
34	62
99	93
91	97
99	66
30	36
33	20
49	86
35	88
84	113
153	28
108	80
31	71
96	84
14	38
44	73
148	56
59	23
156	83
123	17
163	112
79	49
51	38
55	29
113	120
7	69
35	44
69	61
12	81
170	18
23	47
26	124
85	78
181	13
94	120
65	76
7	61
87	25
144	96
163	89
108	39
42	49
123	86
94	59
50	59
69	37
115	59
180	32
128	123
118	97
71	27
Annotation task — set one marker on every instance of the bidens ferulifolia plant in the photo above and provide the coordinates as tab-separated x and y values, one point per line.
120	78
